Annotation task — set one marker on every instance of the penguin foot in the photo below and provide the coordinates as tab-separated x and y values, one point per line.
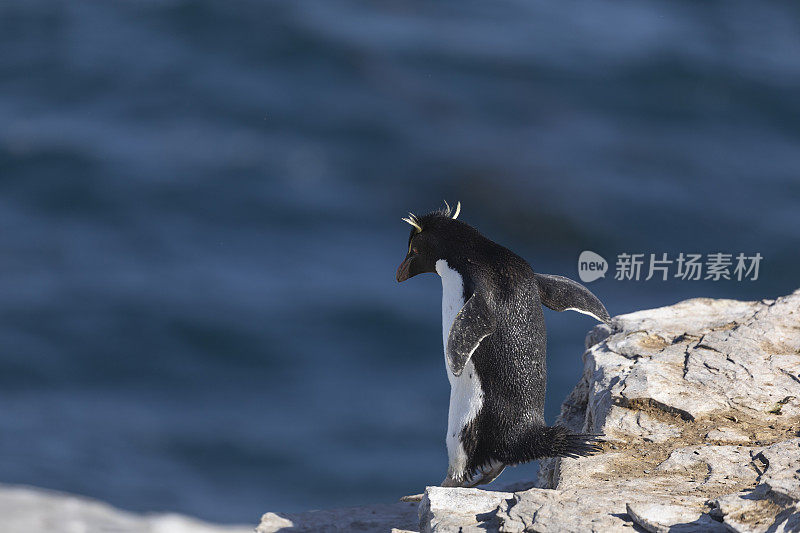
487	475
451	482
484	475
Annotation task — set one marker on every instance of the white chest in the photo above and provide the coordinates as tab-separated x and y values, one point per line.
452	301
466	395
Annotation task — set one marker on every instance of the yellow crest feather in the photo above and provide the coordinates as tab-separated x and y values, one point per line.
412	219
448	211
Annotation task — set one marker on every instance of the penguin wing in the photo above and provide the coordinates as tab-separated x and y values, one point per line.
472	324
562	294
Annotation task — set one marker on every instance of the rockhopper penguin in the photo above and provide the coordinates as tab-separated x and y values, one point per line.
494	346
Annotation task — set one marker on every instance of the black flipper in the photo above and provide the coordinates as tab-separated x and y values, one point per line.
549	441
472	324
560	294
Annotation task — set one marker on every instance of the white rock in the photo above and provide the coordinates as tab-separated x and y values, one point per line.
663	518
726	434
774	505
457	509
29	510
722	465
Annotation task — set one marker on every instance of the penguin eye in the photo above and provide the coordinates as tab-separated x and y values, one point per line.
415	250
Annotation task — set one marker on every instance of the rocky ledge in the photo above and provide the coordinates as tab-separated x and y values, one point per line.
699	404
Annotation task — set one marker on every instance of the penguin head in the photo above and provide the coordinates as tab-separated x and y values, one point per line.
434	236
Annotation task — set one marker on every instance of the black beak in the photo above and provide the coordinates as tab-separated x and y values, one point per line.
402	270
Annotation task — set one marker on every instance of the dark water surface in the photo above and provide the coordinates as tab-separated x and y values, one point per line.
200	212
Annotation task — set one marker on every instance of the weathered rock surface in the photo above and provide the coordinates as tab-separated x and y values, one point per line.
30	510
465	510
699	403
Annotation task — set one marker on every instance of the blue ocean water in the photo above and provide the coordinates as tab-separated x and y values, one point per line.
200	207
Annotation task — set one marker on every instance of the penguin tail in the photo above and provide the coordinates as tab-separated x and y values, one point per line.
552	441
564	443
